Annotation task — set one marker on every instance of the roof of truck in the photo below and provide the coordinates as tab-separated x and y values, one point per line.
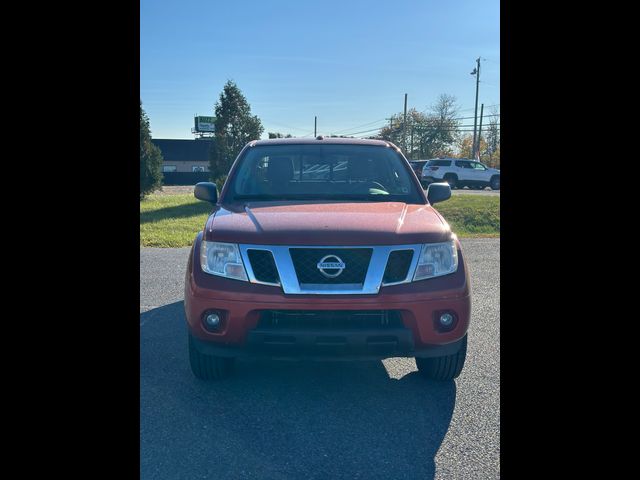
322	140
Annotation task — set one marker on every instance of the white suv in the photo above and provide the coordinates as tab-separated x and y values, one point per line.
460	172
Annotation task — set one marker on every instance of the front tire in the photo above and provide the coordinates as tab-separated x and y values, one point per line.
452	180
208	367
443	368
495	183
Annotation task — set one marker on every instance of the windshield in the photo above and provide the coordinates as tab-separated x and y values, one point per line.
323	172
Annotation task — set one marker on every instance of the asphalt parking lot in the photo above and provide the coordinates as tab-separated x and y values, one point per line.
316	420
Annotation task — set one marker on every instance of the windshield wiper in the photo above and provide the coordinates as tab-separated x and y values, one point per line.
261	197
309	197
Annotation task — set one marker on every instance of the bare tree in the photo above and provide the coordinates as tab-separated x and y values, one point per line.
493	137
426	134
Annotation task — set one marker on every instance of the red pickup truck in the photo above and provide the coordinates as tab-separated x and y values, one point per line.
326	248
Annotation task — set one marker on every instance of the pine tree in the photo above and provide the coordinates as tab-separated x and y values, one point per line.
150	158
234	128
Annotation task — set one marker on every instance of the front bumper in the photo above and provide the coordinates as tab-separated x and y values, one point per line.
417	303
311	346
433	178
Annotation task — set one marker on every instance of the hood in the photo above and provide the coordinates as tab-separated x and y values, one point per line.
302	223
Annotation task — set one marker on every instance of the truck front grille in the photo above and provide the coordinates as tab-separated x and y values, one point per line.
330	270
263	265
356	260
397	266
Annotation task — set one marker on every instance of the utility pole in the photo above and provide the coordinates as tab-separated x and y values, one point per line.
480	132
404	125
476	72
411	148
390	127
315	126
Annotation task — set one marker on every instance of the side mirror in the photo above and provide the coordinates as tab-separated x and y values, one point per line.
206	191
438	192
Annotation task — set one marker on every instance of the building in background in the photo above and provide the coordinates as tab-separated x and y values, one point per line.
186	162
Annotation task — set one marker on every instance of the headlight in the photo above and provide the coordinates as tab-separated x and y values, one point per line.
437	259
222	259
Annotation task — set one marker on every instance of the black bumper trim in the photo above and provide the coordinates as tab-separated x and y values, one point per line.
328	345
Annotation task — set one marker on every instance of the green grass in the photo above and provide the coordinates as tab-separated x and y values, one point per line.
171	220
472	215
174	220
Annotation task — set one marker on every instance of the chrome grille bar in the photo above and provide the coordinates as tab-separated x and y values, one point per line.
289	280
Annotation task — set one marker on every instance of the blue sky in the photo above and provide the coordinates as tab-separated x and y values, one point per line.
349	62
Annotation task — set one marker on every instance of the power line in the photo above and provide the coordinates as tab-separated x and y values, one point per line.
465	118
462	128
373	134
359	126
465	110
468	118
366	131
345	132
286	126
468	109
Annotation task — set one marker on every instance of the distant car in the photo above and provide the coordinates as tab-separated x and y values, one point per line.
417	166
460	172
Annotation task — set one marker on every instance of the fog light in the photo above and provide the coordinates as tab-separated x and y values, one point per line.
446	319
212	320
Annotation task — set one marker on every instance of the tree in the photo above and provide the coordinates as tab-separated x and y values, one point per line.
425	135
493	140
395	131
234	128
279	135
150	158
464	146
492	159
489	157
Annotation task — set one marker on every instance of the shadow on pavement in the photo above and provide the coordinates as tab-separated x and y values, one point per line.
179	211
282	419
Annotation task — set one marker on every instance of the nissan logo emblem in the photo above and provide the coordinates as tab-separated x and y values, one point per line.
331	266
